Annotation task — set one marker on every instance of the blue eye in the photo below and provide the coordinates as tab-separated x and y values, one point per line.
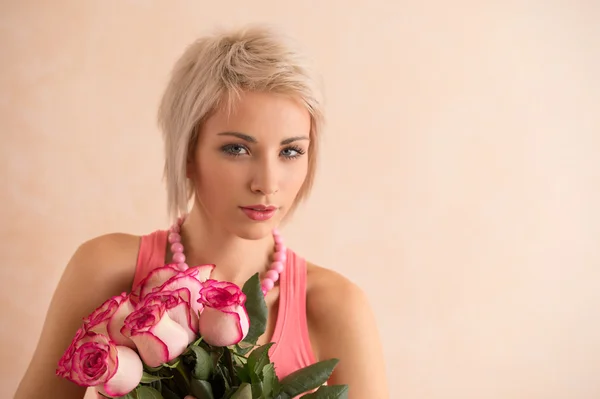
292	152
234	150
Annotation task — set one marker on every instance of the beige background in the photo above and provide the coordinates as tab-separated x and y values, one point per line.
459	185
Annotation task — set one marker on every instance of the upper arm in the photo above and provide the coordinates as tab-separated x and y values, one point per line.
345	328
99	269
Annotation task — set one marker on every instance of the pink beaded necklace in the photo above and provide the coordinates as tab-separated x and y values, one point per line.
270	278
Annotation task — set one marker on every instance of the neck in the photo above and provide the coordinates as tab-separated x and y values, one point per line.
236	259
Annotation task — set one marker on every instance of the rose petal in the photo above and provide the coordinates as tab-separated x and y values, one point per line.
94	360
143	318
161	343
98	320
220	328
201	272
187	318
152	350
156	278
64	364
185	281
181	315
244	320
116	322
129	374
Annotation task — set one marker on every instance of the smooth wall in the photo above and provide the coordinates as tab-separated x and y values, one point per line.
459	183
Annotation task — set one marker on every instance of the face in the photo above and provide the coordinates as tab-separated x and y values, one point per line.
249	165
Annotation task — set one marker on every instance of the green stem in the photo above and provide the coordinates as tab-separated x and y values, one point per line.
240	355
229	363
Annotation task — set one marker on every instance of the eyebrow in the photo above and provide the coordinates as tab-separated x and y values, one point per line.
251	139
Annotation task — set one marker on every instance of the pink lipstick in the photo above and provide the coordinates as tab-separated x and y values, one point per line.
259	212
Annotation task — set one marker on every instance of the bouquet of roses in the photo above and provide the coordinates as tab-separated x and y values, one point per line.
181	333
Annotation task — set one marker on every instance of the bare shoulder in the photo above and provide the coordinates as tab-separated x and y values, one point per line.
99	268
342	325
109	260
116	249
119	244
329	293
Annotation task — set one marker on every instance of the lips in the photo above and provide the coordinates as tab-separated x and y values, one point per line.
259	213
260	208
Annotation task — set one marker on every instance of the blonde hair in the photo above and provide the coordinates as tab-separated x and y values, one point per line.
213	72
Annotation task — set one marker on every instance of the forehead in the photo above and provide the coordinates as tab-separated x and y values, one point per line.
261	115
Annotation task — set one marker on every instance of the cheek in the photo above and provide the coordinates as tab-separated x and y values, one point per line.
294	178
217	179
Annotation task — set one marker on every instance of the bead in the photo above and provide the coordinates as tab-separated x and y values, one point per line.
183	266
279	257
272	275
267	284
175	228
178	257
174	237
280	248
176	247
277	266
278	239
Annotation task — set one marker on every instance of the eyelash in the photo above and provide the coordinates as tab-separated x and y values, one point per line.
228	150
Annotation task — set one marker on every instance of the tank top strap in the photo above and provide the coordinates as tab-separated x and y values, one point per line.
151	255
292	349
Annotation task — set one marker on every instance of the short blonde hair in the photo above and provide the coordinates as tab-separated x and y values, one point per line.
214	71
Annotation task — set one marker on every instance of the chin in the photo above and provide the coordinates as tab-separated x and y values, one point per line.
256	231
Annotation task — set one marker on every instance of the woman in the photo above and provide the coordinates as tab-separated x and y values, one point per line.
241	118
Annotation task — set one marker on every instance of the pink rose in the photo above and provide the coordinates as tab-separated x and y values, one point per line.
191	280
158	338
177	305
157	278
224	320
109	317
93	360
64	364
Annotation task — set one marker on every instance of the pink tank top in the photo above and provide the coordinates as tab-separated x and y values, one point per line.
292	349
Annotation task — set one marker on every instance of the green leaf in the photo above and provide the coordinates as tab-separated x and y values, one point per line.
256	308
201	389
203	363
148	393
308	378
152	369
224	371
243	348
243	374
259	358
173	363
217	354
148	378
239	360
270	381
243	392
329	392
257	391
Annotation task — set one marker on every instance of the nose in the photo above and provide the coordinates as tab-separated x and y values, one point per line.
264	179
